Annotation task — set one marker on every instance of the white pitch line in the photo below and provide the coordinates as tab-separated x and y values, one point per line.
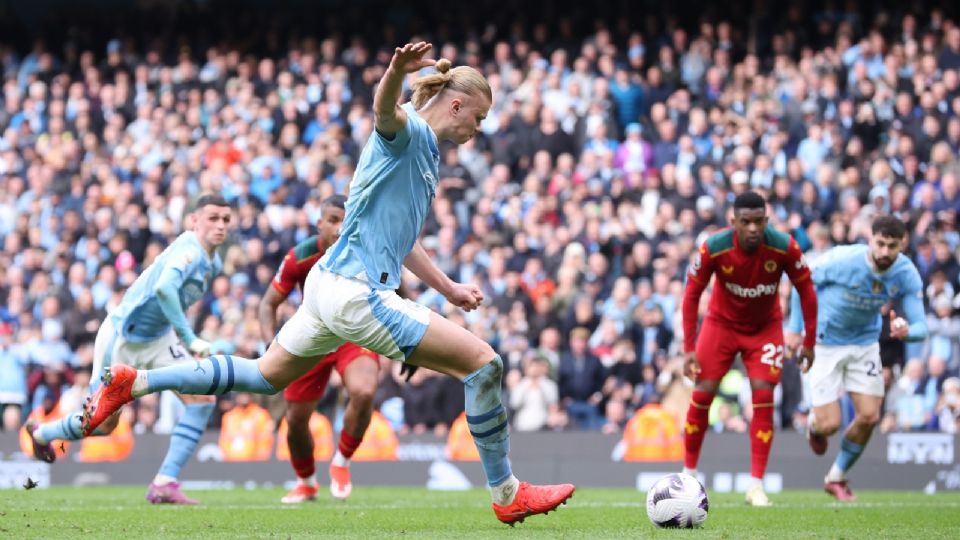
572	504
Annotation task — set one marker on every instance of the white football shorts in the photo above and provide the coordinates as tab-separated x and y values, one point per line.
337	309
845	368
110	346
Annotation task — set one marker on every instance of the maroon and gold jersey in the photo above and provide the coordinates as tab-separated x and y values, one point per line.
745	296
297	264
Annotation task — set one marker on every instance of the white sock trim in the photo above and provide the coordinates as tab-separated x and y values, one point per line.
139	387
162	479
504	493
37	436
309	481
835	474
339	461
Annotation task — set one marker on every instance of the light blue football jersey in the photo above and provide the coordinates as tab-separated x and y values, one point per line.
850	293
186	266
390	197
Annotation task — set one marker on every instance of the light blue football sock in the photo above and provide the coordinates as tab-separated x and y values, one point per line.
63	429
487	420
217	374
849	454
185	437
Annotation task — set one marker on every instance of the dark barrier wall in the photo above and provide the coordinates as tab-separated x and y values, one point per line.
907	461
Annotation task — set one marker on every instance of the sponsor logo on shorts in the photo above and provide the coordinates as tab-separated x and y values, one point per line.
751	292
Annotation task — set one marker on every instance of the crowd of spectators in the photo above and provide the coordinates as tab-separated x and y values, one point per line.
603	163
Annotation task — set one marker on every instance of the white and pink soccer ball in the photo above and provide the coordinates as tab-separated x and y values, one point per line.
677	501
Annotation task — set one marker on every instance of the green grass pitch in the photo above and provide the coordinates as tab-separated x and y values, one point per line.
379	512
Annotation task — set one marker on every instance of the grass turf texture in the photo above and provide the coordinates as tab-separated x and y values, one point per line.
122	512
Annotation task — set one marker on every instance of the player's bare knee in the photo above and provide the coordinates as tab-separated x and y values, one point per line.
362	386
363	396
297	415
485	354
707	386
361	383
480	355
827	426
868	418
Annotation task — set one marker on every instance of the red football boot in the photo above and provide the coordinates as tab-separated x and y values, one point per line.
115	392
531	499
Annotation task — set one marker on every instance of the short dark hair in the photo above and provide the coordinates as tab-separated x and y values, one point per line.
211	199
749	200
889	226
335	200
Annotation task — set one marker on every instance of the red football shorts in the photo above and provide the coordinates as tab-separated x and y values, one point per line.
762	352
311	385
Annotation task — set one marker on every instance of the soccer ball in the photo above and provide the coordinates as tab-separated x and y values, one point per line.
677	501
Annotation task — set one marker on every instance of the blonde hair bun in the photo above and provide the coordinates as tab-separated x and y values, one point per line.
463	79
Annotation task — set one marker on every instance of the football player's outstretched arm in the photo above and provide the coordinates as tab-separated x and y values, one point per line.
168	297
389	117
463	295
267	313
800	275
913	309
698	276
278	291
794	334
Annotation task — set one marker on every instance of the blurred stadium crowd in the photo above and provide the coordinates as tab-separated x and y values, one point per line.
608	155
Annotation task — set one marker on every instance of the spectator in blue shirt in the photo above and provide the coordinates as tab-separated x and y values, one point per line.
628	95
